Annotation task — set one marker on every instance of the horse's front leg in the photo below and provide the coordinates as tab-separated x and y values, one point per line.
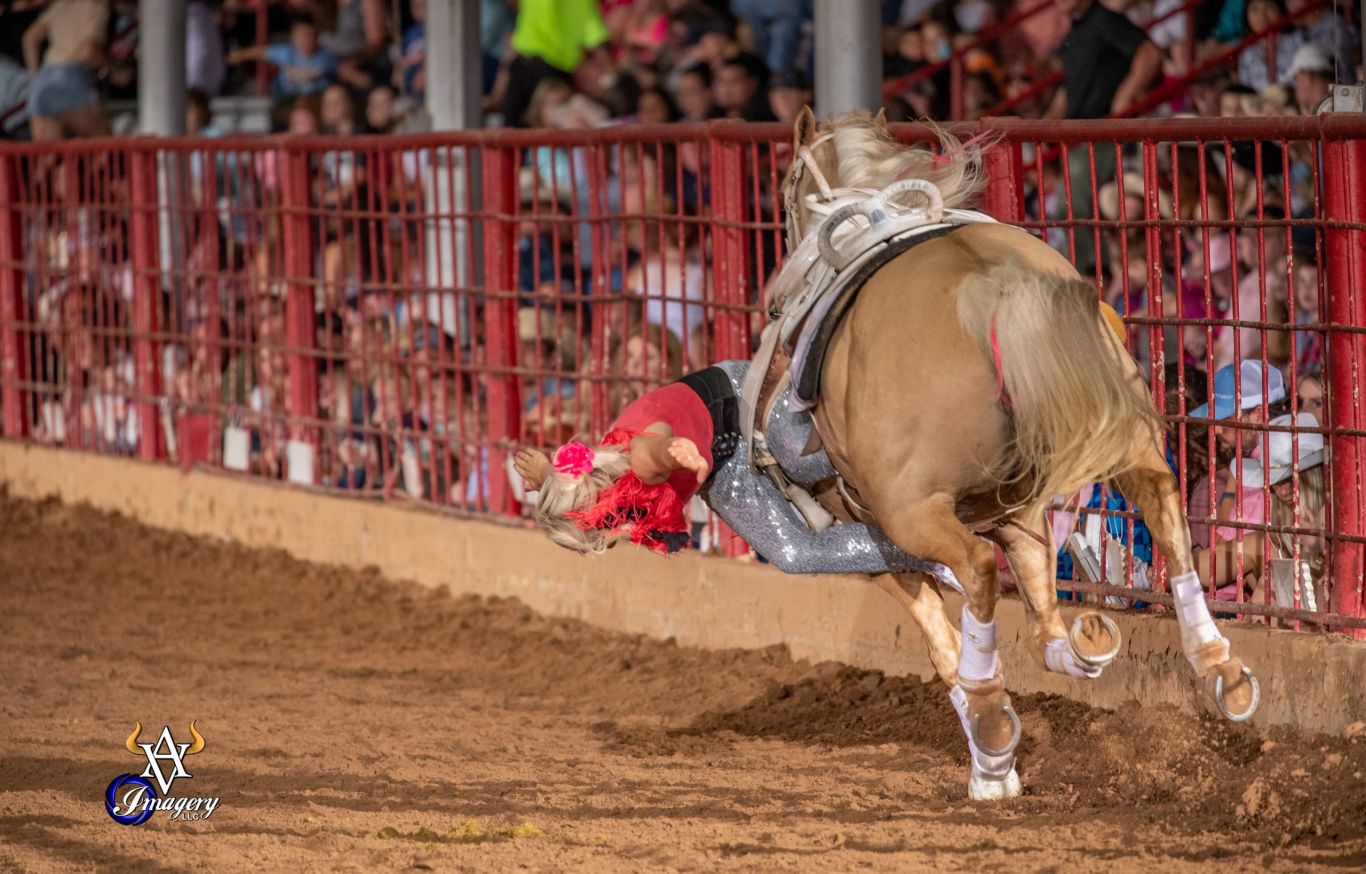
1231	683
992	777
1093	640
930	529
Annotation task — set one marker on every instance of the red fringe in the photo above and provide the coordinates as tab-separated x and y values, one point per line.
651	507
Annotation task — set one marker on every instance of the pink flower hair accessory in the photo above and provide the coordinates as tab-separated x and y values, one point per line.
574	459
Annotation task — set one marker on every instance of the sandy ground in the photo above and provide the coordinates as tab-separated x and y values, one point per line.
357	724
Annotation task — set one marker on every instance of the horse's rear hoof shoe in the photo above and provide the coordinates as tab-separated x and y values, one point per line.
987	748
985	788
1236	691
1095	639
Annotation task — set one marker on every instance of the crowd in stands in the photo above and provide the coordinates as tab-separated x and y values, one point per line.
697	59
403	398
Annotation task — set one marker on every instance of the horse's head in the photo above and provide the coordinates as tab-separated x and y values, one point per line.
856	150
815	163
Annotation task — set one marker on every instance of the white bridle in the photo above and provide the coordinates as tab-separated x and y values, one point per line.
806	162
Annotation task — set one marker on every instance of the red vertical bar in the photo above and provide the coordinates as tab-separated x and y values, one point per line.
500	319
1344	203
956	86
146	297
13	356
730	270
1004	195
262	34
300	335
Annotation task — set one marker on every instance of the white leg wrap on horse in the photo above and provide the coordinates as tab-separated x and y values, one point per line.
978	660
983	766
1193	616
1058	657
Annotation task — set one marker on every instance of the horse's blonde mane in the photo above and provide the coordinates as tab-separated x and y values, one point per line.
868	157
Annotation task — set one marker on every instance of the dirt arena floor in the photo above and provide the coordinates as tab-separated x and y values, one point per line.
357	724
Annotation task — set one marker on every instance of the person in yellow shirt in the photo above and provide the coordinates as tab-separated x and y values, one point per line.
551	40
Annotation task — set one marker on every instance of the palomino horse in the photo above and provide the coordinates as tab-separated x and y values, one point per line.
972	380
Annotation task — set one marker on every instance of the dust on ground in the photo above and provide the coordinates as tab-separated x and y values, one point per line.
354	723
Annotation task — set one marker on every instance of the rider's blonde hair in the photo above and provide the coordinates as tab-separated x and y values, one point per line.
561	495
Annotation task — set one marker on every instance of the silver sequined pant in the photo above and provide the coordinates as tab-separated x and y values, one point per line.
749	503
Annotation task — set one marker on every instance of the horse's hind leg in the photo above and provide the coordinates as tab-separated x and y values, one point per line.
930	530
1153	488
1093	640
992	776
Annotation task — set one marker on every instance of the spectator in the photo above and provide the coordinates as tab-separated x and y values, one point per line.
1276	100
739	89
205	64
381	115
1252	61
1312	72
787	94
358	37
673	283
497	18
1308	344
539	356
637	30
1310	395
655	106
1239	101
1338	37
550	40
414	51
305	116
338	113
303	66
775	29
1107	61
62	97
692	91
1292	462
14	85
908	57
648	357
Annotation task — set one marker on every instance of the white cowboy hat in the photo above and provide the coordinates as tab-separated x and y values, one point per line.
1282	460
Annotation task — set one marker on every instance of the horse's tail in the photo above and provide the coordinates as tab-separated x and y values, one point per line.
1078	412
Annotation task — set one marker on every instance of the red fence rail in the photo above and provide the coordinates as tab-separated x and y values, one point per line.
396	315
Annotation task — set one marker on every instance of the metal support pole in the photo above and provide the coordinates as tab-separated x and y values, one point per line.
454	68
300	334
161	67
730	275
13	348
142	189
1004	195
848	56
454	96
1344	196
500	322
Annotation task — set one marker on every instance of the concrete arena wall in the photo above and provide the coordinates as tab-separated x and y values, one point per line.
1309	681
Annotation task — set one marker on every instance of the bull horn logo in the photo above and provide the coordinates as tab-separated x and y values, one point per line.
132	742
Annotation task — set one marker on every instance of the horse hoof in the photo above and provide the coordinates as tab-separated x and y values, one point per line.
1015	734
982	788
1095	639
1237	696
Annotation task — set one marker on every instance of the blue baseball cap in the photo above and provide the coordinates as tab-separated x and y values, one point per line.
1226	380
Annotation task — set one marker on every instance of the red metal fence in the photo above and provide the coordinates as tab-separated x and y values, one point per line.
395	316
